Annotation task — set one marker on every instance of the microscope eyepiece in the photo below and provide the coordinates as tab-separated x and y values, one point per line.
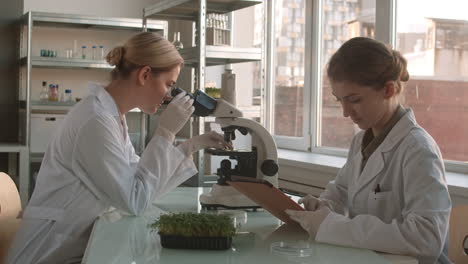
178	90
203	103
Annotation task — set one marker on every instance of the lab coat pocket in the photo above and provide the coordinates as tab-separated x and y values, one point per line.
381	204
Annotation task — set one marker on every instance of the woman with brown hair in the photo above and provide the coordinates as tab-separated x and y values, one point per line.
90	165
391	195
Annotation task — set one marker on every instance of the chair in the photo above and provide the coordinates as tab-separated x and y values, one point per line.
10	207
458	234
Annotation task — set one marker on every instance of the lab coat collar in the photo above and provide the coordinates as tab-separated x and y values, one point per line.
373	167
399	131
105	98
376	161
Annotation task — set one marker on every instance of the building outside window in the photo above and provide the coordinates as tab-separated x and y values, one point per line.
433	37
342	20
434	40
289	53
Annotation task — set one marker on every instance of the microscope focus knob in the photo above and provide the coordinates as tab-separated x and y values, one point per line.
269	167
226	164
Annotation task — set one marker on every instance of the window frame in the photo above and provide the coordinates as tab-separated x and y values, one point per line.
385	31
311	141
296	143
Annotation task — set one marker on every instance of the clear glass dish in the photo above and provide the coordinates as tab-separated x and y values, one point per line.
291	248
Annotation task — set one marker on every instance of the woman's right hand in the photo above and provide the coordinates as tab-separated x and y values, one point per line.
311	203
175	116
208	140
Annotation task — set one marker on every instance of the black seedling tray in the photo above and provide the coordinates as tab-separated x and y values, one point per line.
182	242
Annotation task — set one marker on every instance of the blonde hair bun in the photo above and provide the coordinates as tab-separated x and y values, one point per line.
114	57
143	49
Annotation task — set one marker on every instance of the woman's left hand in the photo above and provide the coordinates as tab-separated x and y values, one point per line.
309	220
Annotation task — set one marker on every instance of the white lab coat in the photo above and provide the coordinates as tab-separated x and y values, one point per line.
89	167
409	215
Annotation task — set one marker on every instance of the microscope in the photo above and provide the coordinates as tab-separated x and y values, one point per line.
260	163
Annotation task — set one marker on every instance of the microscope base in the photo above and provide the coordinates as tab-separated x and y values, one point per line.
224	196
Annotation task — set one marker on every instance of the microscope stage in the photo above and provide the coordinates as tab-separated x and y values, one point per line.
229	152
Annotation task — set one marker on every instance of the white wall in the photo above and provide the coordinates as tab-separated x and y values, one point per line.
109	8
243	38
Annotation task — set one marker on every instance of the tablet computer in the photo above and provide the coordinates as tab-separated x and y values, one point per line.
267	196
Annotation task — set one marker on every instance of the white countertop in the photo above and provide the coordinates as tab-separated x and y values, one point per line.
124	239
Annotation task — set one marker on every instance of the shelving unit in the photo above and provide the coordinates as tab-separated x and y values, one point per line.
89	22
59	106
29	61
71	63
218	55
201	55
51	106
191	9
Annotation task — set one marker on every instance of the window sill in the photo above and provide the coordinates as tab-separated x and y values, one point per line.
325	167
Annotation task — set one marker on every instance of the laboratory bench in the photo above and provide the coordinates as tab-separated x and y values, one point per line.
261	238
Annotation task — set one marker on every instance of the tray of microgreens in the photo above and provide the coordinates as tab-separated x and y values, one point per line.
195	230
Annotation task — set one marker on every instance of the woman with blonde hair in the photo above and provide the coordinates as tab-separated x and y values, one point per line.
90	165
391	195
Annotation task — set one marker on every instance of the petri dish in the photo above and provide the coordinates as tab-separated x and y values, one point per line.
291	248
240	216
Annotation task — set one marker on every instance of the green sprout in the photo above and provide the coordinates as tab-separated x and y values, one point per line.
213	92
195	225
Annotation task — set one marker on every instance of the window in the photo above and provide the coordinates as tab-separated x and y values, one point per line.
295	99
342	20
289	53
433	37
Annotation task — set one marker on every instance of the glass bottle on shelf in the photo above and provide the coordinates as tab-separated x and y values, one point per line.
44	95
62	97
103	56
75	53
53	93
177	43
83	52
94	54
68	96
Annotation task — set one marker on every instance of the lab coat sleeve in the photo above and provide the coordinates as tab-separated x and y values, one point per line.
134	158
183	166
185	170
420	231
336	191
105	167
